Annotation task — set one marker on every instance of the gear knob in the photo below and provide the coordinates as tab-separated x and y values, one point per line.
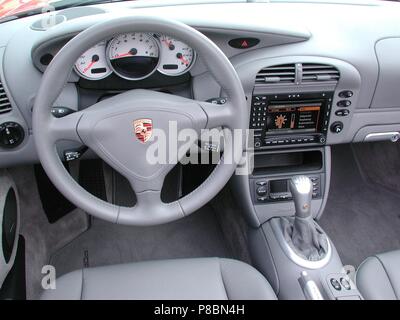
301	189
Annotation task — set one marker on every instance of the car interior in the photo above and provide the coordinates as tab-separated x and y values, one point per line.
308	208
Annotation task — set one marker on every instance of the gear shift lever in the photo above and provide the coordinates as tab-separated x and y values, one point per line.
301	189
301	233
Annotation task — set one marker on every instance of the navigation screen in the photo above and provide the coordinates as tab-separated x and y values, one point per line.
302	117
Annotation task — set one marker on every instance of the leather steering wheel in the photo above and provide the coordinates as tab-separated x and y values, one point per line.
107	126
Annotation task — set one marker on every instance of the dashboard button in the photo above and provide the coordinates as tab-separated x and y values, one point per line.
337	127
262	190
344	103
243	43
342	113
345	283
346	94
11	134
336	284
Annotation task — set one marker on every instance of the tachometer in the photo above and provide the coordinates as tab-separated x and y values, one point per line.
93	64
176	56
133	56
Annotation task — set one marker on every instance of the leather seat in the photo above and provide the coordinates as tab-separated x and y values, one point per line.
378	277
203	278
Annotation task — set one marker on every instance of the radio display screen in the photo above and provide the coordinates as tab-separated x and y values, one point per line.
299	117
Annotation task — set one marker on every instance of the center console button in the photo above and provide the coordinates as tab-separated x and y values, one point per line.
262	190
346	94
337	127
336	284
261	183
342	112
344	103
345	283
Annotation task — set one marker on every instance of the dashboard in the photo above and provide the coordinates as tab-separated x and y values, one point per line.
308	83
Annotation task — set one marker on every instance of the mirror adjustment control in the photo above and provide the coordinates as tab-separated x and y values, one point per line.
337	127
11	134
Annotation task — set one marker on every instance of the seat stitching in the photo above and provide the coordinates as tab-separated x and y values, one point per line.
222	279
360	267
82	283
387	274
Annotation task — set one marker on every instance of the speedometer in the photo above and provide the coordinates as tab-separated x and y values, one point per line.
93	64
176	56
133	56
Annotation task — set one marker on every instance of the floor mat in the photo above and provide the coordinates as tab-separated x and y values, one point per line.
198	235
361	218
41	237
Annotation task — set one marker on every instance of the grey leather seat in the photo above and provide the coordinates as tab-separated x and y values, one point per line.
203	278
378	277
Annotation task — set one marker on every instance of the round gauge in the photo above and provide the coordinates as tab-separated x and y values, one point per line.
133	56
176	57
93	64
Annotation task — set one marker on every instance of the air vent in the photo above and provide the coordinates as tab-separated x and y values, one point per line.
314	73
5	105
281	74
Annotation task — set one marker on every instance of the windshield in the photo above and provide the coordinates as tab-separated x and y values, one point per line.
22	8
14	7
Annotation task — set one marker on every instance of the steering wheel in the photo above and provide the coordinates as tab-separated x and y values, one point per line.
107	126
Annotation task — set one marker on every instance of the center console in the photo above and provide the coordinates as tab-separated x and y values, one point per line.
293	126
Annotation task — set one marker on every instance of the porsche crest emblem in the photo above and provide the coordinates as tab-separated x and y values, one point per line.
143	129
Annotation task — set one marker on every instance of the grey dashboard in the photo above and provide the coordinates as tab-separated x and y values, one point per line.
361	41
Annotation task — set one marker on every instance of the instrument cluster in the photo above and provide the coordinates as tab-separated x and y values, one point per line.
136	56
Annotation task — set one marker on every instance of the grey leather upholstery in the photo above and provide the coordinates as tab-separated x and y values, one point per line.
378	277
203	278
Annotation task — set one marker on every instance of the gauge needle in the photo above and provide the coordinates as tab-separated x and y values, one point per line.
131	52
123	55
89	66
95	58
180	57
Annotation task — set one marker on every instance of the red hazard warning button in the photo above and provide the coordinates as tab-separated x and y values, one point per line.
243	43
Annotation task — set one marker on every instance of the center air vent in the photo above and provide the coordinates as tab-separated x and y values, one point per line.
282	74
5	105
314	73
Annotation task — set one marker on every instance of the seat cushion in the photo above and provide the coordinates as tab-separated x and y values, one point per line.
378	277
204	278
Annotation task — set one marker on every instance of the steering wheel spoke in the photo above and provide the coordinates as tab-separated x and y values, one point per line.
64	128
218	115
